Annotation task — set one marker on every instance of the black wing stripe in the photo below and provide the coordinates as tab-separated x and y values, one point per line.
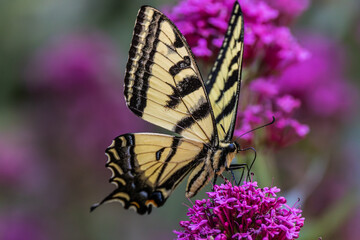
186	122
144	62
175	143
143	95
228	109
176	177
177	126
187	86
223	49
201	156
178	42
201	112
169	104
198	174
229	84
177	67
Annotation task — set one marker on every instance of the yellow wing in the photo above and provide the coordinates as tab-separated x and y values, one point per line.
223	84
163	84
147	167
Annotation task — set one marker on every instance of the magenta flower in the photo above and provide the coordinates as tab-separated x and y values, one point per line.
315	88
78	61
267	37
319	82
271	102
242	212
19	160
14	161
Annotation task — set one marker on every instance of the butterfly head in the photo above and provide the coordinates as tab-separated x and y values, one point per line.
234	147
231	150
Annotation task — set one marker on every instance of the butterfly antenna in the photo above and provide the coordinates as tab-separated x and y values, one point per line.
267	124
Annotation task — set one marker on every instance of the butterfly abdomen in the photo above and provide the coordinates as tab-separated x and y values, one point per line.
200	176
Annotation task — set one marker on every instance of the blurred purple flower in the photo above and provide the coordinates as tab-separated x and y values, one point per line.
286	131
16	226
265	88
288	9
80	103
18	160
287	103
242	212
319	82
13	161
267	39
72	62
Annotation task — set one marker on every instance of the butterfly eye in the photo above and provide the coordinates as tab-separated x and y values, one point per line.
232	147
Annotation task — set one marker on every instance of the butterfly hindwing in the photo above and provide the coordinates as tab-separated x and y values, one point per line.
147	167
223	84
162	82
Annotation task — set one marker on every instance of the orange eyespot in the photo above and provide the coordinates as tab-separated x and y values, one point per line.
152	202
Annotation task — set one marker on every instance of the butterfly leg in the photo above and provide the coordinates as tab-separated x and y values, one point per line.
233	167
252	163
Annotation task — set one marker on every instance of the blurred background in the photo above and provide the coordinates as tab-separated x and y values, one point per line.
62	67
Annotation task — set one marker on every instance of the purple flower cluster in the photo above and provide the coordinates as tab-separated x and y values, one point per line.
317	85
242	212
268	39
271	102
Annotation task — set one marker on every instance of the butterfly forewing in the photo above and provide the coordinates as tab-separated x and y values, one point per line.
146	167
223	84
163	84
